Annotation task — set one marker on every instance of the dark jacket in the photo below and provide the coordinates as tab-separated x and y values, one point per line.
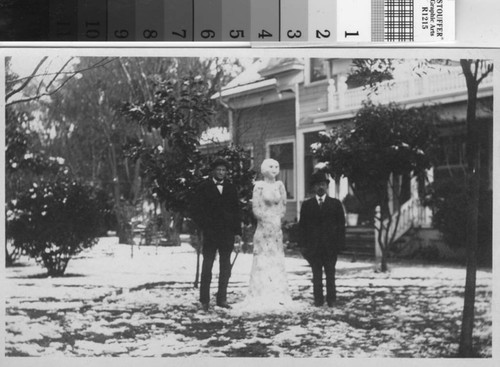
321	231
215	212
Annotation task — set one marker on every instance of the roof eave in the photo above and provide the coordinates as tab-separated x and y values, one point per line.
247	89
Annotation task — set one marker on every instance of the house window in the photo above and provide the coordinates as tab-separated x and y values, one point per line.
283	153
249	150
318	70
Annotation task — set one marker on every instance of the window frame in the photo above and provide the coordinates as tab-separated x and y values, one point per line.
282	141
250	147
308	81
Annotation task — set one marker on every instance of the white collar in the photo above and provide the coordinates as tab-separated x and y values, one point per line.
216	181
321	197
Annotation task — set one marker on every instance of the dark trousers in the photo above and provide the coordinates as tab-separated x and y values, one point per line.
211	245
318	263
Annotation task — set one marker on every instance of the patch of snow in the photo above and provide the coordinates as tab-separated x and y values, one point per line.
151	296
162	344
293	335
32	350
52	306
264	306
102	328
238	345
451	301
30	330
97	349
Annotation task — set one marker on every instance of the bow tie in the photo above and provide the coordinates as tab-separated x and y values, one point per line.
219	183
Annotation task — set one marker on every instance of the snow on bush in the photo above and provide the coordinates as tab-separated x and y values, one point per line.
54	220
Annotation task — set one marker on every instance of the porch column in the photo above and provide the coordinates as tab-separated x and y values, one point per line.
299	158
299	152
231	125
331	91
336	192
342	89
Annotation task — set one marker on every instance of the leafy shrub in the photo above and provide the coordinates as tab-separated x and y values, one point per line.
22	166
448	200
427	253
53	220
351	204
291	232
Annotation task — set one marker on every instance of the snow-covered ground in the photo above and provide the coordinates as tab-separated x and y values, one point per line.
112	304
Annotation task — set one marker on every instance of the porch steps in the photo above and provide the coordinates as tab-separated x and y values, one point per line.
360	242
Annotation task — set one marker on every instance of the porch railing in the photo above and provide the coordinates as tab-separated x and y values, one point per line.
412	214
428	87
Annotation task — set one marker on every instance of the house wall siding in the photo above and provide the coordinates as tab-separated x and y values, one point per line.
272	120
313	99
256	125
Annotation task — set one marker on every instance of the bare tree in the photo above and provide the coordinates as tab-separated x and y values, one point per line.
475	71
45	83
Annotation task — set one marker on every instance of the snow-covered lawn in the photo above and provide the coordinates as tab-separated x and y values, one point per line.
110	304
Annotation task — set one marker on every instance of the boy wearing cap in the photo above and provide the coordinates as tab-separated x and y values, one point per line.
322	236
216	211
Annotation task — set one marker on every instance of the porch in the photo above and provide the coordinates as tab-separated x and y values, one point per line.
436	87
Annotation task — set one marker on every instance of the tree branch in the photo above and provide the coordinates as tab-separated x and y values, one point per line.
58	73
28	79
97	64
38	96
485	74
33	75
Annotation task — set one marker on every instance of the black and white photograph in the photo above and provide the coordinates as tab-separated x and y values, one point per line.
248	203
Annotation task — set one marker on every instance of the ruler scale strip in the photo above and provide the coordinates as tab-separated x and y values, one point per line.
264	20
294	27
63	20
149	20
179	20
208	20
321	28
235	20
331	22
121	20
92	20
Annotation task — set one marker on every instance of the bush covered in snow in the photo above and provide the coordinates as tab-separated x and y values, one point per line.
53	220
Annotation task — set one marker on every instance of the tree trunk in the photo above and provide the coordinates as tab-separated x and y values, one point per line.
385	229
166	221
124	229
12	255
175	234
383	261
466	343
198	237
9	260
172	223
466	346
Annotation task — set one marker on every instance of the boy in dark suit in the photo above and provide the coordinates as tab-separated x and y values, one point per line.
216	211
322	236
